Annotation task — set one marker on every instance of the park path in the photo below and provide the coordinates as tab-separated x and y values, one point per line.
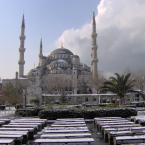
96	135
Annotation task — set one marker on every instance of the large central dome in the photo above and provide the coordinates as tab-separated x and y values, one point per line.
60	61
61	51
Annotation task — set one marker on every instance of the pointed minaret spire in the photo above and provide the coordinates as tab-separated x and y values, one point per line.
22	49
23	22
41	47
94	34
94	51
41	53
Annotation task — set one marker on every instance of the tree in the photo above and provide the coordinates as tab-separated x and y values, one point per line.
139	78
11	93
58	84
35	101
119	84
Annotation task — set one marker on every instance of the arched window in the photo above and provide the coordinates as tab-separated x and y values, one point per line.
86	99
94	99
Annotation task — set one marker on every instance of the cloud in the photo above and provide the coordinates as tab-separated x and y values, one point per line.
120	26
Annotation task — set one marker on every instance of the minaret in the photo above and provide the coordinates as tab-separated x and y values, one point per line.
76	63
94	52
22	49
40	53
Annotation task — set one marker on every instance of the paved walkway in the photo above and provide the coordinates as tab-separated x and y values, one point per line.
96	135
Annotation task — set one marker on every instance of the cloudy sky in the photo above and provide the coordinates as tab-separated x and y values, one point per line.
120	26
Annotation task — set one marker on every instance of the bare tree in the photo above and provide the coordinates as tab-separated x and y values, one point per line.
12	94
57	84
139	78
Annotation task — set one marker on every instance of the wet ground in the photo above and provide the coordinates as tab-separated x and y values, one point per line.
96	135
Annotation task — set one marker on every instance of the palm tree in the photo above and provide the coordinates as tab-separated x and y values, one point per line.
119	84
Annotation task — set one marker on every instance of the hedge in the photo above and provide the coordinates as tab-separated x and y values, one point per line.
87	114
27	112
2	107
54	114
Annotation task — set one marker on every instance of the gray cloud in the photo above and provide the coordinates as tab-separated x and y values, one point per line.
121	36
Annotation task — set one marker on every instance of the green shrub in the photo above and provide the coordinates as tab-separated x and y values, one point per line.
19	106
2	107
54	114
87	114
27	112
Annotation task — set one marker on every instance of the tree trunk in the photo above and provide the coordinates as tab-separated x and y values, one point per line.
122	100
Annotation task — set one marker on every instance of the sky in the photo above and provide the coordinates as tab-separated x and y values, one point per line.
120	26
43	18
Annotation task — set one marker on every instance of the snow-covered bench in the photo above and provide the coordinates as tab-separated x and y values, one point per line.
65	131
113	134
18	138
4	141
102	125
23	133
66	128
129	139
83	141
67	125
31	131
64	135
106	129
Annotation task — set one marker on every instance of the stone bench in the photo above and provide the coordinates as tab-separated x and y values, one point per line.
113	134
66	128
6	141
38	125
77	122
101	125
70	119
107	119
129	139
74	141
64	135
43	123
106	129
31	131
18	138
23	133
35	127
65	131
68	125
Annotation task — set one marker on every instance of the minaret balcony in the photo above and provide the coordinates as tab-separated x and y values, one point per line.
21	62
22	37
94	60
21	49
94	35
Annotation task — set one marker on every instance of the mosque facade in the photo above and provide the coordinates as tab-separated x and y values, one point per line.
61	72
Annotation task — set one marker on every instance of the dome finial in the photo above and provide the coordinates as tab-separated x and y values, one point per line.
62	45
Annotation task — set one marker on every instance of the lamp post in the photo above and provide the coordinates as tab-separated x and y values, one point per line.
25	98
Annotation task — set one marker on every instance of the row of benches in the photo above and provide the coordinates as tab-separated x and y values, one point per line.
19	131
65	131
117	130
139	119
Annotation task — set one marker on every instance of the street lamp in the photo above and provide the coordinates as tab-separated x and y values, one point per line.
25	98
